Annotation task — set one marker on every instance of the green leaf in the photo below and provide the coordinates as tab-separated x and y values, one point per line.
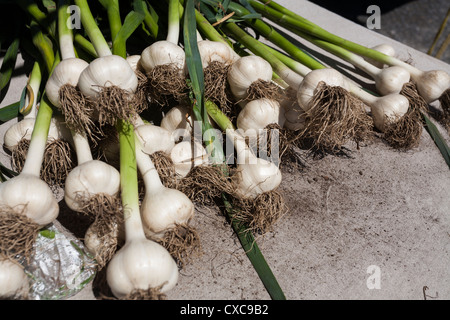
9	112
438	139
132	21
49	234
7	68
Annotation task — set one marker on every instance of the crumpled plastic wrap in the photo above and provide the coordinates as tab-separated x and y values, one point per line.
61	266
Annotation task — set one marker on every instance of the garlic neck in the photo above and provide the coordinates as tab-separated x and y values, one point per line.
149	173
82	147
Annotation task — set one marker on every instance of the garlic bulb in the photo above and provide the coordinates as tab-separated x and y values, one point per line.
259	113
154	138
188	154
134	61
179	122
111	70
388	108
162	208
89	178
141	264
163	53
30	196
308	86
211	51
391	79
13	280
245	71
431	84
294	117
24	128
66	72
254	175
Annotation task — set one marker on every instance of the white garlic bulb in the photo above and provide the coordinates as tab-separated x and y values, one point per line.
154	138
163	53
141	264
179	122
111	70
24	128
211	51
308	87
188	154
388	108
30	196
13	280
90	178
246	70
431	84
134	61
254	175
66	72
391	79
259	113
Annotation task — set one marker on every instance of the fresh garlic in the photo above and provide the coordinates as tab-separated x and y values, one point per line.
134	61
186	155
254	175
66	72
431	84
90	178
388	108
307	88
141	264
295	117
162	208
259	113
110	70
163	53
179	122
13	280
245	71
30	196
24	128
211	51
154	138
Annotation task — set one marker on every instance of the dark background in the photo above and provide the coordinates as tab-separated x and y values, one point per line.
413	23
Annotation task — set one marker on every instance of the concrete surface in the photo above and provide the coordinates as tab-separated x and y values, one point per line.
374	225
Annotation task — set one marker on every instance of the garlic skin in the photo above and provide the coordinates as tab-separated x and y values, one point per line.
258	114
66	72
391	79
211	51
13	280
432	84
246	70
154	138
90	178
186	155
254	175
24	128
388	108
308	86
107	71
31	196
179	122
141	264
162	53
294	115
